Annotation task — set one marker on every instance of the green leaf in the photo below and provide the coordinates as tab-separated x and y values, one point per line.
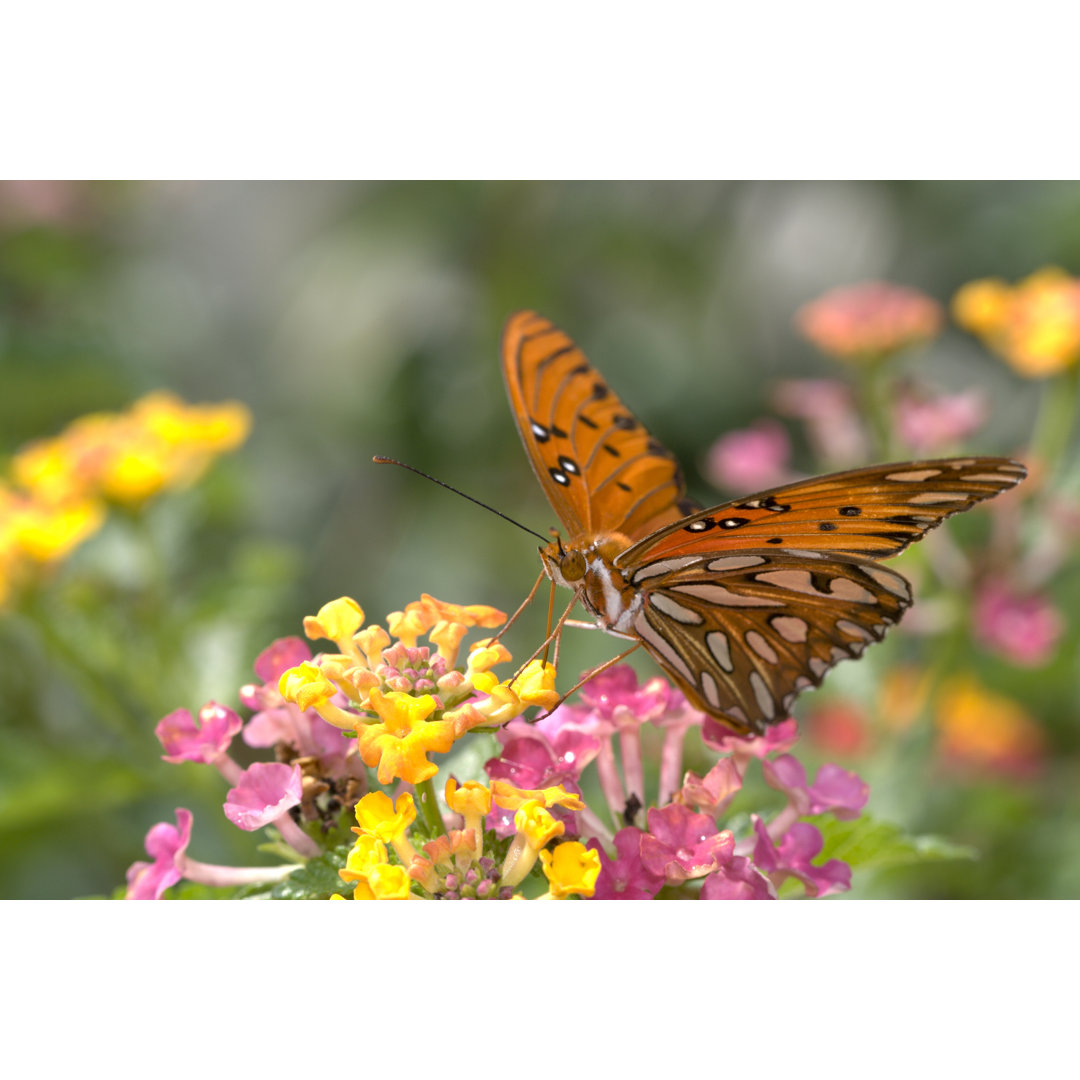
873	845
317	880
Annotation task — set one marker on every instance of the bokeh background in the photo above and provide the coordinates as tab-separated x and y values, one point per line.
363	318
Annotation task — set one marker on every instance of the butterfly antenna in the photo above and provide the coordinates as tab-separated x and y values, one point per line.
379	460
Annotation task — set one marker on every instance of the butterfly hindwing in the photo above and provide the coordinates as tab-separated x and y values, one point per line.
598	466
742	634
874	512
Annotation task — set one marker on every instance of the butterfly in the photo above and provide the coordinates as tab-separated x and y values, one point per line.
745	604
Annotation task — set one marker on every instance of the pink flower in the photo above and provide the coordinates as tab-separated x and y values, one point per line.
835	789
1023	629
792	858
827	407
712	793
275	659
266	790
681	844
929	425
166	844
625	877
751	459
615	695
868	321
739	880
206	742
778	738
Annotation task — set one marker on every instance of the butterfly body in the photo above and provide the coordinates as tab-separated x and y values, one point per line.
745	604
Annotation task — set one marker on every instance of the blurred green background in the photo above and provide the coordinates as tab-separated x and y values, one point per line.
363	318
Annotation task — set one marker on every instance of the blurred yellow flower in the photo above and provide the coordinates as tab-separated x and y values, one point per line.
1034	325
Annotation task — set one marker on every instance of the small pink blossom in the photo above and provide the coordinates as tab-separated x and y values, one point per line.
681	844
1023	629
266	790
625	877
835	789
275	659
929	425
205	742
792	858
616	696
712	793
751	459
738	880
166	844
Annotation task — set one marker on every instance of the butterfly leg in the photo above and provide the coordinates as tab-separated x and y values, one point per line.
524	604
590	675
554	635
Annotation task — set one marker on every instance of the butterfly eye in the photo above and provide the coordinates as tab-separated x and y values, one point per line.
572	566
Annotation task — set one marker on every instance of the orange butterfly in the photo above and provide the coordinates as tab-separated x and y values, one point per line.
745	604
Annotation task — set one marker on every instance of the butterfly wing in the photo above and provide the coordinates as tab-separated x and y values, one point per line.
742	634
598	466
873	513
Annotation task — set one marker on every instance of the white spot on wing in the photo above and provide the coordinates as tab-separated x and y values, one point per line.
661	566
717	641
846	589
912	474
662	647
762	695
710	689
890	581
735	562
761	646
846	626
933	498
717	594
790	627
674	610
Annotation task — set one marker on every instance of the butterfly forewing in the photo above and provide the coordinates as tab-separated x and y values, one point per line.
743	634
600	468
874	512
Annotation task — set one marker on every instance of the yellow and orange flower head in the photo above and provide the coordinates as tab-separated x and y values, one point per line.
399	744
1034	325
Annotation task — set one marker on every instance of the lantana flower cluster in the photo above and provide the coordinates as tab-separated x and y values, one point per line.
561	810
58	489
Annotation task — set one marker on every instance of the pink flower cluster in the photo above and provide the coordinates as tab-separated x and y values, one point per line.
265	793
677	839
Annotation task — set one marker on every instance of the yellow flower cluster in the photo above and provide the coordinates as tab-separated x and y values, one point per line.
58	488
405	700
1034	325
454	865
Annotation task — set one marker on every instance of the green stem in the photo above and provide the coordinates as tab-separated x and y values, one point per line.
1056	420
429	808
871	390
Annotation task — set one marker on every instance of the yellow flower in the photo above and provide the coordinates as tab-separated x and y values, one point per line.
408	625
371	641
385	882
400	743
536	824
337	621
466	614
447	636
509	797
472	801
1034	326
307	686
367	853
376	816
571	869
536	685
48	533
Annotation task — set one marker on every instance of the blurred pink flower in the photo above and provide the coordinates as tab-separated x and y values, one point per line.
930	424
1023	629
739	880
625	877
167	845
751	459
776	739
792	858
681	844
205	742
868	321
712	793
827	407
267	790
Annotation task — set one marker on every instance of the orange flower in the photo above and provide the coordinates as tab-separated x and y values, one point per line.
399	745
